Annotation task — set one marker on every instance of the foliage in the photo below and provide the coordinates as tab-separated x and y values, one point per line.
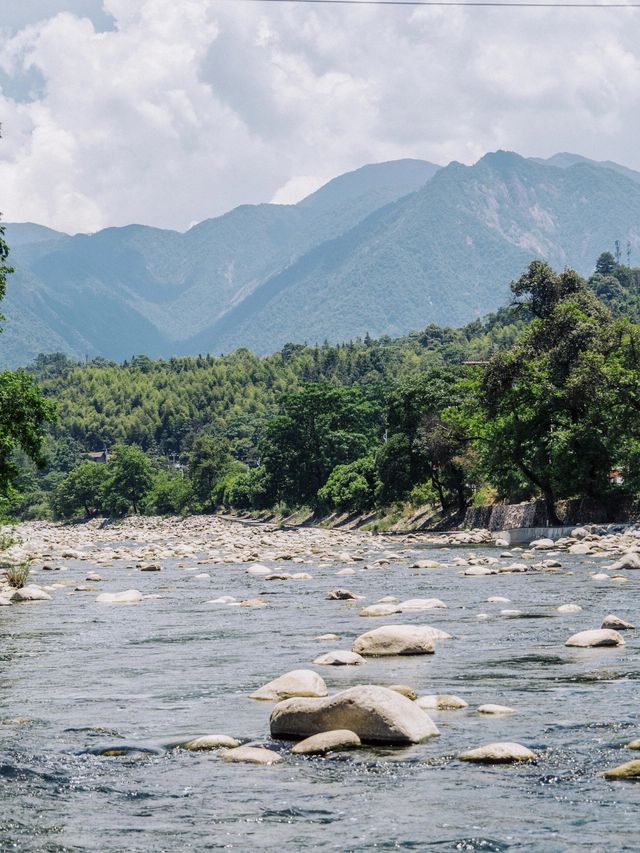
17	575
82	491
7	540
169	495
559	405
131	478
541	398
350	487
208	461
319	428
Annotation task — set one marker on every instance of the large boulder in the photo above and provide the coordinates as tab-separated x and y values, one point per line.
298	682
594	638
327	742
498	753
399	640
375	714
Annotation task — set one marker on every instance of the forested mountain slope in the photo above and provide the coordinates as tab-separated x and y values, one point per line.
382	250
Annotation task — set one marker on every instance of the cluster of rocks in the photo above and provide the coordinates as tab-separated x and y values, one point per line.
304	712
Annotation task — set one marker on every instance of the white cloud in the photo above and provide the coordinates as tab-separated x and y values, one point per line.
187	108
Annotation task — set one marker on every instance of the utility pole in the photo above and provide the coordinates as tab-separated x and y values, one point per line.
618	253
629	253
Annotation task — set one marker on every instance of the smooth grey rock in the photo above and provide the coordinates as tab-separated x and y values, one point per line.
628	770
616	623
30	593
498	753
399	640
205	742
441	702
380	610
404	690
342	595
594	638
416	605
327	742
298	682
129	596
375	714
495	710
251	755
339	658
542	544
630	560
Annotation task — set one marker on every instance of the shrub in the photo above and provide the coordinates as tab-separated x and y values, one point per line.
18	574
350	487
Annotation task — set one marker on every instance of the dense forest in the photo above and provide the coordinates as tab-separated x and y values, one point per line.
540	399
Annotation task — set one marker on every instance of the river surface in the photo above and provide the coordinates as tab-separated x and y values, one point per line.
87	676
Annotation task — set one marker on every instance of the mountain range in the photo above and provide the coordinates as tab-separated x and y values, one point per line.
385	249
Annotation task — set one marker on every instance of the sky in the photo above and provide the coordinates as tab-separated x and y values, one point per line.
168	112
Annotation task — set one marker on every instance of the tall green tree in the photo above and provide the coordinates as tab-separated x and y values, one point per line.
319	427
24	412
208	461
81	492
131	478
557	405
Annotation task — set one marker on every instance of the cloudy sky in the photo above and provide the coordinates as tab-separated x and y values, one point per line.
171	111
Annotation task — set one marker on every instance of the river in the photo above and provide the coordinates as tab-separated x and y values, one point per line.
78	677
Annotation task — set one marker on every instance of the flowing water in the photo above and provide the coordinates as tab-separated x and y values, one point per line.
84	677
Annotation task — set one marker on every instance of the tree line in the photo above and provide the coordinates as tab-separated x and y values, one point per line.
539	400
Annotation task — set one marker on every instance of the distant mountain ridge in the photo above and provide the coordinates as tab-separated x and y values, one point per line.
385	249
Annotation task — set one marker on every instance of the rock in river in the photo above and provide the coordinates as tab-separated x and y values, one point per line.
441	702
628	770
339	658
327	742
298	682
129	596
251	755
417	604
342	595
375	714
30	593
596	637
498	753
399	640
616	623
495	710
630	560
380	610
205	742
